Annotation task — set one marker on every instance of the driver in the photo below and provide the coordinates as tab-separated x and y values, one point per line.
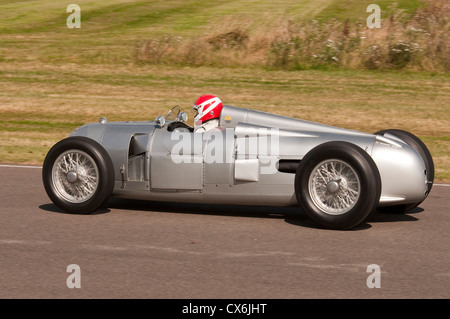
208	108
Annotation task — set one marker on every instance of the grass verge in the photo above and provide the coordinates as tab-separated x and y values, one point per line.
40	105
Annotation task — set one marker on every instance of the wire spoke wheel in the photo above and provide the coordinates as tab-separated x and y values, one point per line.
337	185
334	187
75	176
78	175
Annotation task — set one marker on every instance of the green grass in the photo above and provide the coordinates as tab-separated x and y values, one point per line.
356	10
36	30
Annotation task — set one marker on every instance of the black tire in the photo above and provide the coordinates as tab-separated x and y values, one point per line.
78	175
356	188
422	149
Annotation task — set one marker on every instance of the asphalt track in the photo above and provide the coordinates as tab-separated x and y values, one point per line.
137	249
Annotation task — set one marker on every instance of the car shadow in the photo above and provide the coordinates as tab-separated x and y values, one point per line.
291	215
55	209
382	217
201	209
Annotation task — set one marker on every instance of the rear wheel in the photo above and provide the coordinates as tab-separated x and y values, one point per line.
78	175
422	149
337	185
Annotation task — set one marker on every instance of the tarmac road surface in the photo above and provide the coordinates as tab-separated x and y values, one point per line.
137	249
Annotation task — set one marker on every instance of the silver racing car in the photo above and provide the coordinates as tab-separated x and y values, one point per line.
336	176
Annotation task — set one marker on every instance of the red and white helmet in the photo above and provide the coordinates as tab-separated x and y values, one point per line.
208	107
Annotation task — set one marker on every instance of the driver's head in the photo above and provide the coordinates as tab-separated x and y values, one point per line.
207	107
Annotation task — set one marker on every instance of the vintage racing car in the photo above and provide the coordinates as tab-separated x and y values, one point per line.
336	176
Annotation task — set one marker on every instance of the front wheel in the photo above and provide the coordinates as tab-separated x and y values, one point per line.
78	175
337	185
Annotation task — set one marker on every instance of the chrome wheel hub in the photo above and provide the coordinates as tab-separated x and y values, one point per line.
334	187
72	177
75	176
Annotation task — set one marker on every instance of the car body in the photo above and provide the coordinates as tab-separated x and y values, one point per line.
337	176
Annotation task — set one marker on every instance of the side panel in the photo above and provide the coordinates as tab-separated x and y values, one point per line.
176	161
246	170
167	175
241	169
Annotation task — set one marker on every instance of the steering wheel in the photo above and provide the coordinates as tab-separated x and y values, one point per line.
174	125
